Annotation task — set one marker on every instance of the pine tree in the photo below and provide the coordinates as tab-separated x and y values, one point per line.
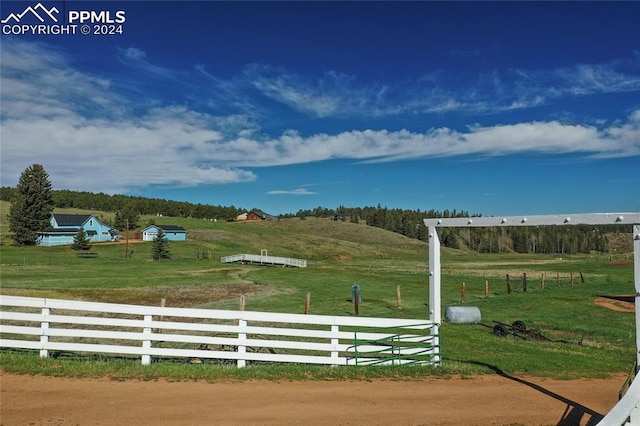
31	206
127	213
81	241
160	247
118	222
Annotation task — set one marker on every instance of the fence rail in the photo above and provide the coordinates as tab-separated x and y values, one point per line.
241	337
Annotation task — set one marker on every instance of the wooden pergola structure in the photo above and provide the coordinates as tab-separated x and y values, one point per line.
629	407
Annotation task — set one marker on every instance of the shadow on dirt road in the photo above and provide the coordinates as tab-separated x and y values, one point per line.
573	415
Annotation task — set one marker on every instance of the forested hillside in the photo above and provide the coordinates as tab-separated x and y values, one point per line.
140	205
543	239
563	240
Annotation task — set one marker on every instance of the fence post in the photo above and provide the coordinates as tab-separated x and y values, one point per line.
146	343
242	342
398	296
572	278
558	278
508	284
463	293
241	308
542	282
486	288
581	277
163	303
44	337
307	302
524	281
334	344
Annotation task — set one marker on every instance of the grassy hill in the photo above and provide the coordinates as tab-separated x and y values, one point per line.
310	238
323	243
340	254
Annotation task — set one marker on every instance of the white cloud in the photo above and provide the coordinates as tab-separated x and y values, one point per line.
162	147
87	136
90	137
620	140
134	53
333	94
136	58
298	191
36	80
600	78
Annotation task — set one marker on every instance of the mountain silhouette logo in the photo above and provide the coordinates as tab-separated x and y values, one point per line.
38	11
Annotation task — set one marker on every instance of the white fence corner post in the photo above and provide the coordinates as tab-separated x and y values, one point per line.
242	347
44	337
635	412
146	343
434	289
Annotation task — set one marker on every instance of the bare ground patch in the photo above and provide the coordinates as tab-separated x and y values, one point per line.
175	296
236	274
338	256
623	303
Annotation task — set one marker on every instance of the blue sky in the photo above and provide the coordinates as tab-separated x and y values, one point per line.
497	108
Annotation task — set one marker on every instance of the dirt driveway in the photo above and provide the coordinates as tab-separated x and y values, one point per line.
481	400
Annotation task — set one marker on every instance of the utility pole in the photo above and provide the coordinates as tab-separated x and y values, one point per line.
126	236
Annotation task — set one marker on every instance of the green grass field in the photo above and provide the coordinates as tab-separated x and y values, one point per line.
340	254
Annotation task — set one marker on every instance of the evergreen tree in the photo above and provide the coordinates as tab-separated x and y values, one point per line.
81	241
160	247
31	206
127	213
118	223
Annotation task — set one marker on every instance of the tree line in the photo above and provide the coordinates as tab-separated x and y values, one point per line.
543	239
515	239
128	206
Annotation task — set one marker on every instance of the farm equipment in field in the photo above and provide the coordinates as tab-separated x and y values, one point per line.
519	329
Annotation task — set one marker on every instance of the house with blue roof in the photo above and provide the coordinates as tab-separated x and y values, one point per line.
64	228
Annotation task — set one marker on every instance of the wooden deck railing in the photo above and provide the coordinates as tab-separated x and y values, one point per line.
264	260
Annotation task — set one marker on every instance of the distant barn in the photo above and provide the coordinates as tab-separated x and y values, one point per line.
256	215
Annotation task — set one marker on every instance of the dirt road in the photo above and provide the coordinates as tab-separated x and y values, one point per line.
481	400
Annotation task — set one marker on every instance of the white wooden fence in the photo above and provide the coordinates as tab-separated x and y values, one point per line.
264	260
53	325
